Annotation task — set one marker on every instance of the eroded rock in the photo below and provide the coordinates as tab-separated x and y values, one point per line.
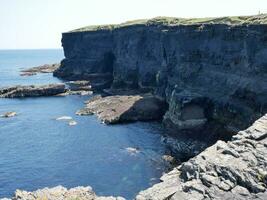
125	108
79	85
32	90
232	170
61	193
47	68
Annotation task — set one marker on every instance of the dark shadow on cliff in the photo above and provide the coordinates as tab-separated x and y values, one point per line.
148	108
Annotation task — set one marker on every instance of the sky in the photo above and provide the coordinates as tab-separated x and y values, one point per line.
37	24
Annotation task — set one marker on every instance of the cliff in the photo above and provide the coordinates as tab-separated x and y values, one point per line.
209	71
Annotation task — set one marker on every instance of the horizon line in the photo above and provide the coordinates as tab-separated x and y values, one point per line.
6	49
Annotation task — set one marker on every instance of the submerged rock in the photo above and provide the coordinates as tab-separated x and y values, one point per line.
47	68
232	170
28	73
61	193
125	108
72	123
132	150
32	90
67	119
9	114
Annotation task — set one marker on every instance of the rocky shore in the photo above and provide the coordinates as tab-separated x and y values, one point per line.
212	76
226	170
207	77
60	193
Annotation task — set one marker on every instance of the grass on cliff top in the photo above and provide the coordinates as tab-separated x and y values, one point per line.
171	21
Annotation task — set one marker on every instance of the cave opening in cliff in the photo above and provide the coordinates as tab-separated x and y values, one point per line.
108	60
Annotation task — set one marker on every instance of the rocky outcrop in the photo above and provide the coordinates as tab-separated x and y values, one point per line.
125	108
47	68
232	170
59	89
32	90
61	193
209	71
79	85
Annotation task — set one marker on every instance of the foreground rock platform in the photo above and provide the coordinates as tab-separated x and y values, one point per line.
227	170
32	90
124	108
60	193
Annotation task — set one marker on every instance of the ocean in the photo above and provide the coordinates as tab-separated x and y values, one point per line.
38	151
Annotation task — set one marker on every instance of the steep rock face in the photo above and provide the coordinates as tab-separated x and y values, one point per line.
218	71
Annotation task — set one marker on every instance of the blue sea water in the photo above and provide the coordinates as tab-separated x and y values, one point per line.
38	151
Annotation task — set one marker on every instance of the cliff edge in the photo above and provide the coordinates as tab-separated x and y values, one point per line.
211	72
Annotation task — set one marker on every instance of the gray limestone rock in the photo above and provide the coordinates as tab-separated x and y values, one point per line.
32	91
125	108
228	170
61	193
209	73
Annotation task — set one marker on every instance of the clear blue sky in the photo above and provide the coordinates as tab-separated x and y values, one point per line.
26	24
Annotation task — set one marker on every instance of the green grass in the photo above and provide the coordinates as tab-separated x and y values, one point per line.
171	21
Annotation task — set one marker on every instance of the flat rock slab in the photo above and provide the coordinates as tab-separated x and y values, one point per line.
125	108
79	85
47	68
32	90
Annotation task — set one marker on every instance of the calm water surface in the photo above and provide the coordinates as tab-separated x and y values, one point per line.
38	151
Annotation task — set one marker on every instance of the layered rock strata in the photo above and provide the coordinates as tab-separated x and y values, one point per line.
209	71
47	68
32	90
